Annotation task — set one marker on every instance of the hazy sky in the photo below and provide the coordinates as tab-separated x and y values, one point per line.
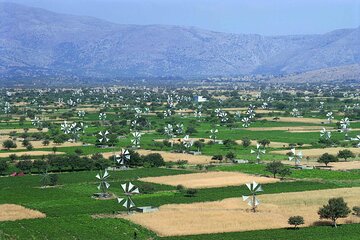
268	17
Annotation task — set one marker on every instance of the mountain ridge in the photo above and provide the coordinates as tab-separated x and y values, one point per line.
37	42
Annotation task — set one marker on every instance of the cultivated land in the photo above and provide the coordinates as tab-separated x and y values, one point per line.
209	179
215	210
230	215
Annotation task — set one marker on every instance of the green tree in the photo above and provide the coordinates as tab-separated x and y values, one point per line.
154	160
296	221
336	208
230	155
345	154
276	167
327	158
24	165
246	142
7	144
3	166
264	142
40	165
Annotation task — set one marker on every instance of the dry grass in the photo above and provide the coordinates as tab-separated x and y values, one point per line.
174	157
230	215
289	129
295	119
19	130
209	179
350	165
316	152
30	153
38	144
12	212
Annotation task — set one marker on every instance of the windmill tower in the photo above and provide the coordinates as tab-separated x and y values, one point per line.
297	156
252	200
129	190
103	185
258	151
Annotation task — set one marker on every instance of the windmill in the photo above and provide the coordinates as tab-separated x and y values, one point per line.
330	116
102	116
223	117
103	136
129	190
213	134
179	128
81	114
297	156
345	124
123	157
136	140
45	178
36	122
187	142
103	185
252	200
258	151
246	122
65	127
325	134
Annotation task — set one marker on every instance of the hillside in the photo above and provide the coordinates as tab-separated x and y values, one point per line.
38	43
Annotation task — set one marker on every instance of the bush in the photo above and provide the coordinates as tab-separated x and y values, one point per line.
146	188
154	160
190	192
3	166
180	188
296	221
246	142
217	157
54	179
356	211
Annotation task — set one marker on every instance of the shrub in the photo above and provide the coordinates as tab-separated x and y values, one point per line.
191	192
296	221
356	211
180	188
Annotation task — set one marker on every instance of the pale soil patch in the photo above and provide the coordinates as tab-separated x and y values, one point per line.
232	110
290	129
30	153
316	152
207	140
230	215
20	130
12	212
349	165
298	120
38	144
209	179
174	157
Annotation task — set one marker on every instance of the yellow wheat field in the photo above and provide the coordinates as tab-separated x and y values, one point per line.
12	212
230	215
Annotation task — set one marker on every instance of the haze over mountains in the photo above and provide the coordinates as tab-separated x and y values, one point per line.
37	43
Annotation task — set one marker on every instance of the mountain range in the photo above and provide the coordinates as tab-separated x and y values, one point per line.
36	43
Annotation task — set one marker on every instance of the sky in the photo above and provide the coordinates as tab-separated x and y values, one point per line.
266	17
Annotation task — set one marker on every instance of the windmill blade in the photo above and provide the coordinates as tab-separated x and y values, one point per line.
293	150
259	189
245	198
125	204
98	176
249	186
131	203
120	200
250	203
99	186
123	187
257	202
136	190
106	174
252	151
130	186
254	185
107	185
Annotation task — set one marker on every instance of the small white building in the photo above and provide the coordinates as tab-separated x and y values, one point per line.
199	99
